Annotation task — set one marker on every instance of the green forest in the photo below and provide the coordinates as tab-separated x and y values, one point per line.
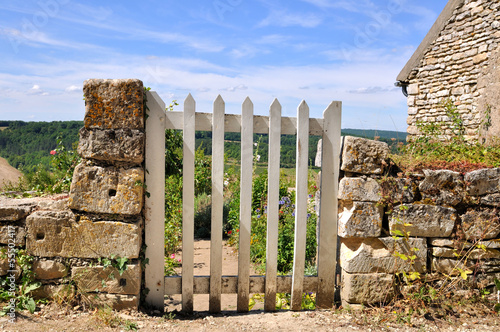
28	144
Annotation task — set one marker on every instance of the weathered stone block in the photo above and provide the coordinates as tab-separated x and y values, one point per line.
443	187
437	242
360	219
480	58
423	220
398	190
54	292
56	233
471	254
6	267
49	269
108	280
413	89
112	145
12	210
451	266
483	181
367	288
107	189
113	104
378	255
481	224
490	200
359	189
492	244
13	234
57	202
364	156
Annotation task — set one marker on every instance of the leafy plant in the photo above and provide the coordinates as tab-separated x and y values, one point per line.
446	145
22	296
119	263
286	225
497	305
63	165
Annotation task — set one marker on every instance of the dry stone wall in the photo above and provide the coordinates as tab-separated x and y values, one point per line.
447	220
79	240
460	65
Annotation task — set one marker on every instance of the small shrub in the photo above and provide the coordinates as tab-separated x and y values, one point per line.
445	146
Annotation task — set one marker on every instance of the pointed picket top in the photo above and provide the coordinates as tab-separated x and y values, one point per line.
247	102
275	109
189	101
335	108
303	106
275	104
219	101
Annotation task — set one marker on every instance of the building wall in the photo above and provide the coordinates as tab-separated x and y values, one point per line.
459	66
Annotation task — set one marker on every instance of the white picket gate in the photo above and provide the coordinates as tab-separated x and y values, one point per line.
243	284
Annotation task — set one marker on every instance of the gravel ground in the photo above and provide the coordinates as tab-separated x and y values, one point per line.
55	318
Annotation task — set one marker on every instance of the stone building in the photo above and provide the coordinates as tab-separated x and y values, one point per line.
458	61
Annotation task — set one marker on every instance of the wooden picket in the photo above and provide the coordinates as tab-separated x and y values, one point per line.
301	198
188	203
217	205
273	197
243	284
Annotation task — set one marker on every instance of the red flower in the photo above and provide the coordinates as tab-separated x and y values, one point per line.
53	152
229	232
237	230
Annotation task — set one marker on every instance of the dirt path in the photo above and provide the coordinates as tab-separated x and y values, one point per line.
8	173
202	268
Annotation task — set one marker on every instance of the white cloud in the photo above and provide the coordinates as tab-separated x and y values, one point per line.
234	88
72	88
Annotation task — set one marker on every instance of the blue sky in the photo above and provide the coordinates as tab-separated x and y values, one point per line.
316	50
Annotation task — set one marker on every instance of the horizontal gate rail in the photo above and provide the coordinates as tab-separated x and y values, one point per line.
229	285
232	123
